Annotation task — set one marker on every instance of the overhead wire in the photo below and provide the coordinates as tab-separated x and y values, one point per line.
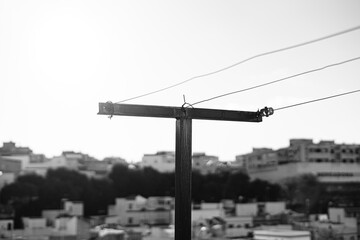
278	80
316	100
243	61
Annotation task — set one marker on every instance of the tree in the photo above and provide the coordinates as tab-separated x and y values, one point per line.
264	191
237	185
303	192
99	195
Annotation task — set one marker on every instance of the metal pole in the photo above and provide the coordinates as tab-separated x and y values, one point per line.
183	163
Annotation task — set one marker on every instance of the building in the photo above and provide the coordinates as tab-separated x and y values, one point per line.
10	149
334	225
349	218
6	221
165	162
228	220
98	167
206	211
73	208
205	164
34	228
281	235
41	167
260	208
9	165
69	208
9	170
114	160
259	160
70	160
6	178
135	211
161	161
330	162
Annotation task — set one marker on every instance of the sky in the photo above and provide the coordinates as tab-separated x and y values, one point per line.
59	59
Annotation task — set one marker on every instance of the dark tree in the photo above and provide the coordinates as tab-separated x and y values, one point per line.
237	186
99	195
303	192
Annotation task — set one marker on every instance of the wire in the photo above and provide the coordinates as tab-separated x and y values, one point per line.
316	100
245	60
278	80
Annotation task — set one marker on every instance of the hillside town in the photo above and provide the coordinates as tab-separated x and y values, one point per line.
333	215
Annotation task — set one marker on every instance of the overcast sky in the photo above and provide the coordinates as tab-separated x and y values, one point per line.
59	59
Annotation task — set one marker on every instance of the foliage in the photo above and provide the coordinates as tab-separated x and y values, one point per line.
303	192
30	194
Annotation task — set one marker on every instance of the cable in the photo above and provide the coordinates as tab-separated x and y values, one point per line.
316	100
243	61
278	80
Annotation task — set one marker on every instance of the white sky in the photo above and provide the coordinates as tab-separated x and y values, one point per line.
59	59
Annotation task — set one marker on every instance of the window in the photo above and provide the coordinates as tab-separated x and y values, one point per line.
9	226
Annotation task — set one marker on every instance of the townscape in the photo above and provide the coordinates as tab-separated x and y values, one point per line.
306	190
184	120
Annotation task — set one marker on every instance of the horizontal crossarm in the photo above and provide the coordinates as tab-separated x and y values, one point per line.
111	109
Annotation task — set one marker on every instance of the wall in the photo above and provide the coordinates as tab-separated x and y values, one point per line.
74	208
281	235
6	178
246	209
32	223
327	172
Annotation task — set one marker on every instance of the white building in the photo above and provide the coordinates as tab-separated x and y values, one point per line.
41	168
206	211
72	227
133	211
281	235
74	208
34	228
254	209
161	161
6	178
33	223
66	225
6	225
204	163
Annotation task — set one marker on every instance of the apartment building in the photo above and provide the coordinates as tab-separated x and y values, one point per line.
260	159
330	162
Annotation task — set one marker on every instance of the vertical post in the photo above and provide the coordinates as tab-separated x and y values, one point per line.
183	166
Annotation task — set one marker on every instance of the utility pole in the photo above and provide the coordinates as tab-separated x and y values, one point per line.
183	152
